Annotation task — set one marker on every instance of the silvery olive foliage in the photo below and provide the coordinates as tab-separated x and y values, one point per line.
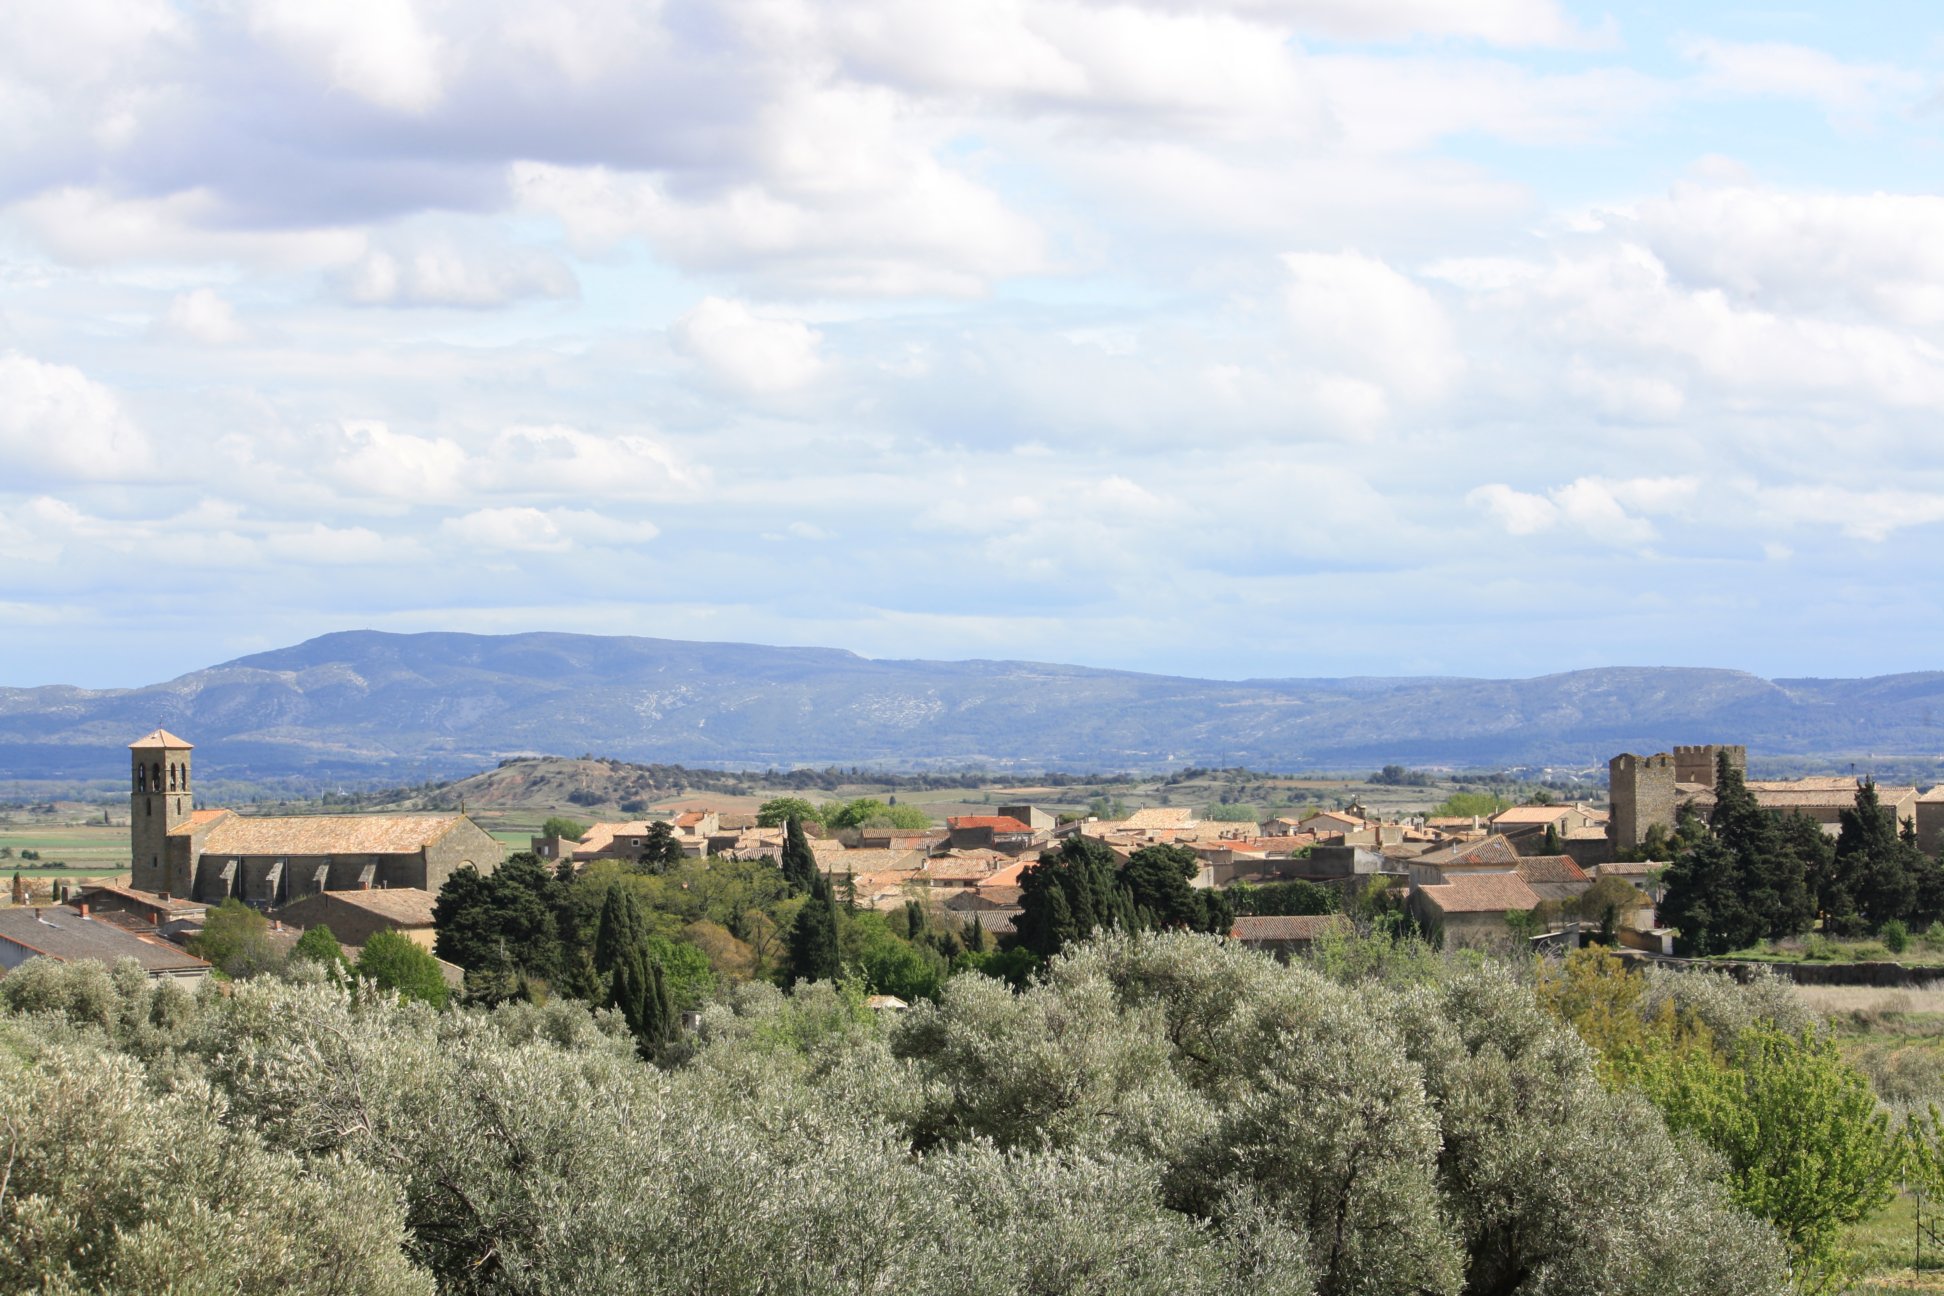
1158	1114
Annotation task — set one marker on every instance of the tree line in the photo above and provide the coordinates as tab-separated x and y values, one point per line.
1743	875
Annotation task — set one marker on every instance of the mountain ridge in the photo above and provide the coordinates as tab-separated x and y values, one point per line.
374	705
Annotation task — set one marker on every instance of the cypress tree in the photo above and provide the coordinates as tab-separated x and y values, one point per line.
1872	862
813	937
799	862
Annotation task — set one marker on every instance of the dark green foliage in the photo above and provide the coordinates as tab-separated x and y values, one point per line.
1157	878
799	864
395	963
1704	902
1278	898
1877	868
515	910
813	938
1744	878
637	986
660	849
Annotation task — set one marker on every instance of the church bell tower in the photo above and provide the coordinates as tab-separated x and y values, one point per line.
158	800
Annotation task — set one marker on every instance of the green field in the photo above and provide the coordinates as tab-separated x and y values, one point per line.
86	850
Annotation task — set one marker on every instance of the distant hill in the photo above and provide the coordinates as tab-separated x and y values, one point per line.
365	706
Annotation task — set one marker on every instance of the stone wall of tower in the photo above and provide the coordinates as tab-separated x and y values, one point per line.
1696	763
159	799
1641	789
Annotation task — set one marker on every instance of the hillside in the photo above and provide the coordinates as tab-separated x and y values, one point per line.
365	706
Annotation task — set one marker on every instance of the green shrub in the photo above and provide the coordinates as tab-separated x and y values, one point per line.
1896	936
1818	948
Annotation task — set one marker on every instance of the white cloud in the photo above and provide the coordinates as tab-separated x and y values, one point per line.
1597	507
1879	255
379	50
368	458
1871	515
746	351
200	315
340	546
1354	314
57	423
1519	512
443	273
1779	70
524	529
82	225
568	461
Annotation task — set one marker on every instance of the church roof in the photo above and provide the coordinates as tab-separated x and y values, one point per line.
162	738
376	834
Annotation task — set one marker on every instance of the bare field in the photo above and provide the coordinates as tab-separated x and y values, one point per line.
1836	1000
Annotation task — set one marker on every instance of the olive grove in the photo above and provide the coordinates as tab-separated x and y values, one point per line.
1154	1114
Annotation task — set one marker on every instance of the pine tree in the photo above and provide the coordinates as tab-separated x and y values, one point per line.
799	862
1772	877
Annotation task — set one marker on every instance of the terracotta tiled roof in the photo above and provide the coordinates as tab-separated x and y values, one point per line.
689	820
1490	851
1779	798
1628	868
1531	814
867	861
390	834
163	738
198	819
998	823
1158	817
153	899
1933	796
946	869
1481	893
405	906
1286	927
1009	875
1551	868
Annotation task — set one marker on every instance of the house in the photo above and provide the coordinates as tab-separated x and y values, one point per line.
211	854
164	914
1286	935
1562	819
70	933
354	917
992	832
1032	816
1929	813
1328	823
1554	877
960	869
1470	908
1159	819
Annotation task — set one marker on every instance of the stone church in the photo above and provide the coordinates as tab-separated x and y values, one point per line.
209	855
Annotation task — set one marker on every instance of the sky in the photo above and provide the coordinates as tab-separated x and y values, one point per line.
1239	338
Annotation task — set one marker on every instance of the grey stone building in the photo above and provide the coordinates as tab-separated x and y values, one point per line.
211	854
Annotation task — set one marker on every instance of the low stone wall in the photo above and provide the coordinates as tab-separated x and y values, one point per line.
1887	974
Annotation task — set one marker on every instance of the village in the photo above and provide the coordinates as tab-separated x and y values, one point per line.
1548	875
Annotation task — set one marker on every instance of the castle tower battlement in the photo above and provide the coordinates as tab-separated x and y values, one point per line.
1641	789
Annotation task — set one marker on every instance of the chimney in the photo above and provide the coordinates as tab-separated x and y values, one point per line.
165	896
82	909
276	924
